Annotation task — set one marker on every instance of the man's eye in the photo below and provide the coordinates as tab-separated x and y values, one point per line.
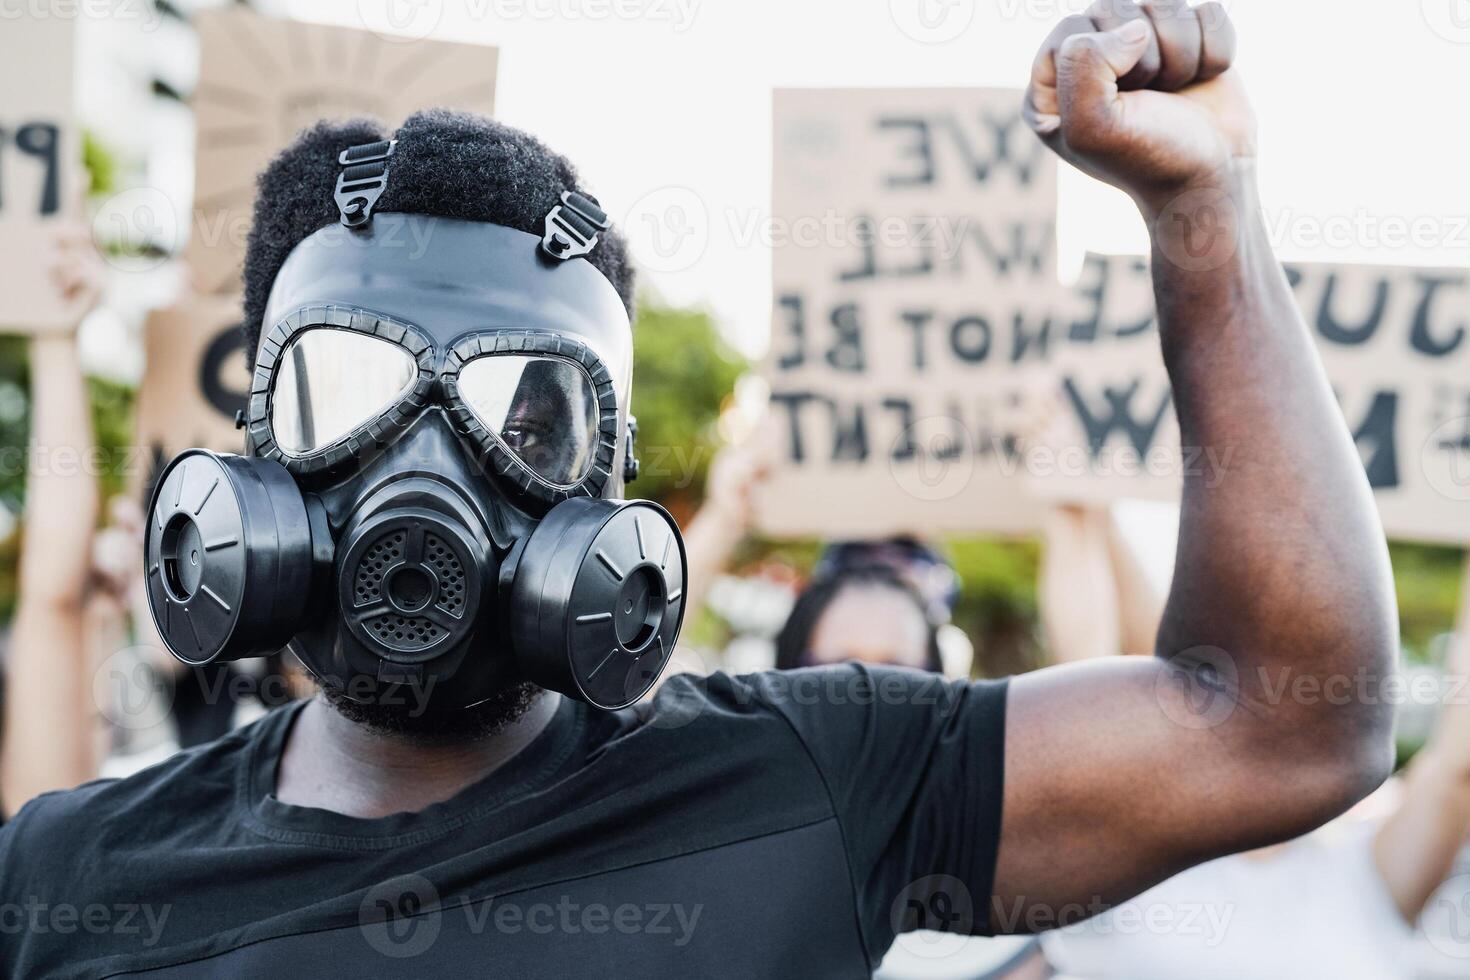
519	438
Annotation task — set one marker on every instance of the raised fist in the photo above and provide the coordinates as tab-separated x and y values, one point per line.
1141	95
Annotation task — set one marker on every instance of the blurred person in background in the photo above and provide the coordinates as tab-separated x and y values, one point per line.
858	608
52	736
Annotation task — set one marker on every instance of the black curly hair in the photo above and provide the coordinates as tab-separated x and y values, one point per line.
793	642
447	163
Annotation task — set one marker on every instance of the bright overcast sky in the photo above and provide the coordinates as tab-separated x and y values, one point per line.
1362	110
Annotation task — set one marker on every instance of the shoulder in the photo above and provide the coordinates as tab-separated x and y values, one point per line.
61	838
747	700
846	701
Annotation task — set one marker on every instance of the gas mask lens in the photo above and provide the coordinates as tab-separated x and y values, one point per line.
332	381
543	409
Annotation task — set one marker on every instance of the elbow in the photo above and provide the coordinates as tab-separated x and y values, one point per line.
1362	767
1326	753
1345	732
1341	768
1360	742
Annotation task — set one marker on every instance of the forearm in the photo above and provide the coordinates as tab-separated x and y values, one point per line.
1079	609
1416	847
1281	560
47	740
61	499
709	541
1139	597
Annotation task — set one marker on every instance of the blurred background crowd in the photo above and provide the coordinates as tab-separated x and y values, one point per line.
88	691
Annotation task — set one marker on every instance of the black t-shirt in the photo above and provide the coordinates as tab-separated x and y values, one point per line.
760	826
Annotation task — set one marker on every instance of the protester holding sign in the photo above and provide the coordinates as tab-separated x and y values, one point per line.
50	740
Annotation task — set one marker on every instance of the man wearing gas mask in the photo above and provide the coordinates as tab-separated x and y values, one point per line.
427	514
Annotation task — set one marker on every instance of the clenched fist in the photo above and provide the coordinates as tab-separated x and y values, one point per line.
1141	95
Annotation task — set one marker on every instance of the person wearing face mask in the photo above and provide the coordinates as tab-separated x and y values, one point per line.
864	612
429	515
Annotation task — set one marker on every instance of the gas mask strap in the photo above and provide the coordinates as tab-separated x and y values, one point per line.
572	226
363	181
630	457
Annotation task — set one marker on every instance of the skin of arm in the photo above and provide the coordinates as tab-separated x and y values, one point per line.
1079	604
726	517
48	740
1416	847
1248	727
1140	600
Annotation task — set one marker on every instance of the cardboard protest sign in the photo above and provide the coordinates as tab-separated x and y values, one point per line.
194	382
918	328
40	158
914	272
1395	345
263	80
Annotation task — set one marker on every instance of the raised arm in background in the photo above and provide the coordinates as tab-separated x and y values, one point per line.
1259	717
1096	597
1077	594
1141	596
1416	847
49	740
725	518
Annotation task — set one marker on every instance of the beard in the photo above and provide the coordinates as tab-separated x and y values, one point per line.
418	719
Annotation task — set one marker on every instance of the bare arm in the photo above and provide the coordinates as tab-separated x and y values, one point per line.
1416	847
1079	604
724	519
1140	599
1123	772
47	741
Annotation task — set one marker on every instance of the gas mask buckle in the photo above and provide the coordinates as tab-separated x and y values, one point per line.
363	182
573	225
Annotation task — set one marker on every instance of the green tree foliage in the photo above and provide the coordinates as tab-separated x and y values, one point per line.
683	374
997	607
1427	580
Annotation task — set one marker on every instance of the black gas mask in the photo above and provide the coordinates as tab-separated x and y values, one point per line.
437	425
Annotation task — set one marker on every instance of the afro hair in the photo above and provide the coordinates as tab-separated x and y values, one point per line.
449	164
